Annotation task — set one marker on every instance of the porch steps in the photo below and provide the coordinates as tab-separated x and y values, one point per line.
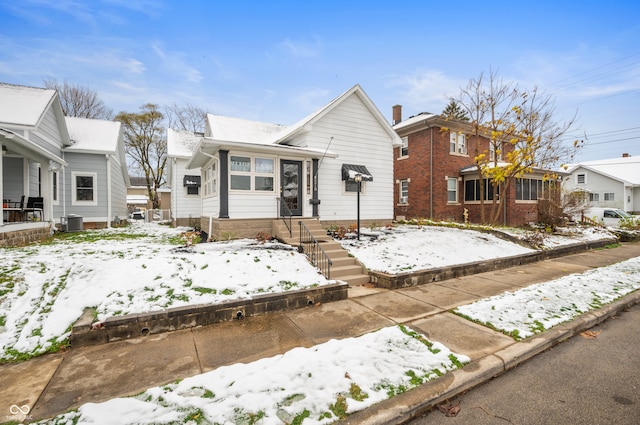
343	266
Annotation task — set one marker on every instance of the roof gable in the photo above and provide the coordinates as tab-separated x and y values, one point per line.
23	106
624	169
92	135
182	144
311	119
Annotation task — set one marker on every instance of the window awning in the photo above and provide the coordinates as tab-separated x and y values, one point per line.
191	181
349	172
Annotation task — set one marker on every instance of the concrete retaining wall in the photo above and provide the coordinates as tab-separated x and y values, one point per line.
84	332
414	278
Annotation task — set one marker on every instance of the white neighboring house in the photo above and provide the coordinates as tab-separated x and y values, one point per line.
96	178
254	172
611	183
186	205
32	136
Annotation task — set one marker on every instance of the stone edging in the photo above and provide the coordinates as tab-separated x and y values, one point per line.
421	277
84	332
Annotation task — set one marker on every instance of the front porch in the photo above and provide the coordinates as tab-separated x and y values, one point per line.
23	233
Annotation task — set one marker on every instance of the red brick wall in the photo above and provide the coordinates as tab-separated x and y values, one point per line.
418	166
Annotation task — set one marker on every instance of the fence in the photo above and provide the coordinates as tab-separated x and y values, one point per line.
157	215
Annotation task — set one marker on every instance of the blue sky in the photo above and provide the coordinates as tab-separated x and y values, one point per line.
277	61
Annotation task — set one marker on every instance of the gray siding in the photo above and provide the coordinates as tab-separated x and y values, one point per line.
12	173
48	135
118	190
86	163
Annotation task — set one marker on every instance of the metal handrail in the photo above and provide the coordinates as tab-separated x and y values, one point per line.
310	246
287	214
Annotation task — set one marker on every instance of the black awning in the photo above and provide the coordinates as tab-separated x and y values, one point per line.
349	171
192	181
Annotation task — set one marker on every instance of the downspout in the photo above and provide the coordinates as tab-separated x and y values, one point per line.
64	192
109	200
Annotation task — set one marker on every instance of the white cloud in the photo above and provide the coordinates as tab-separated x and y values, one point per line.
302	49
310	99
425	89
175	62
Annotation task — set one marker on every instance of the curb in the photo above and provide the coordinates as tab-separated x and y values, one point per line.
405	407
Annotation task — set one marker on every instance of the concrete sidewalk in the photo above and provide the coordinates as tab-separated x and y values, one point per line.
52	384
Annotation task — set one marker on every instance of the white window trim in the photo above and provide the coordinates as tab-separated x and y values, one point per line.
449	179
405	144
55	190
403	200
74	200
581	174
459	142
253	174
210	177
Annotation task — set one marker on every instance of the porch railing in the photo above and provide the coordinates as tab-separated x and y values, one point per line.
285	214
310	246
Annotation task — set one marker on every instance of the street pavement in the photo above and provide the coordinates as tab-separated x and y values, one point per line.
52	384
589	379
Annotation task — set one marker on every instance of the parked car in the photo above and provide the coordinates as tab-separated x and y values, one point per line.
609	216
137	215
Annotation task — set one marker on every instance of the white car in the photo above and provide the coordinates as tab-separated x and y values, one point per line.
609	216
137	215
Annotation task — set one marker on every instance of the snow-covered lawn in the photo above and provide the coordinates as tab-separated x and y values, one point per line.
539	307
316	385
409	248
45	288
137	269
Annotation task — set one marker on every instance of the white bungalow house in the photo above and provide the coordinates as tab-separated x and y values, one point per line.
185	184
255	173
609	183
32	136
94	183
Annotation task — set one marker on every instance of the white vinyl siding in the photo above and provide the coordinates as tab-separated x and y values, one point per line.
184	205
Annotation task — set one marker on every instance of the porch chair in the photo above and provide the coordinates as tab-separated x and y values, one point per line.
34	205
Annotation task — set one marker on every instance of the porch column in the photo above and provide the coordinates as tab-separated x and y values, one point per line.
46	190
224	184
314	186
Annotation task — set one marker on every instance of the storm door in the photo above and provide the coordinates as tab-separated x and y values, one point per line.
291	187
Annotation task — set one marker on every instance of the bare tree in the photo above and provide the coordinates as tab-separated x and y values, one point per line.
186	118
522	132
146	144
78	101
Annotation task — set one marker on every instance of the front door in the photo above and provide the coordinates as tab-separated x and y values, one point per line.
291	187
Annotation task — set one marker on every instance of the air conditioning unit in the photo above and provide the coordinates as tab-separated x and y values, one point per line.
403	200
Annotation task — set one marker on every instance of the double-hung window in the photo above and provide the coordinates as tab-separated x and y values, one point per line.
609	196
404	149
452	189
211	179
251	173
404	192
83	188
581	178
457	143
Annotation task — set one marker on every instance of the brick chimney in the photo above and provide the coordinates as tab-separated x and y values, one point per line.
397	114
625	155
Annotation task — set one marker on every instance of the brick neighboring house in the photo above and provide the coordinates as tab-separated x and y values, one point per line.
435	175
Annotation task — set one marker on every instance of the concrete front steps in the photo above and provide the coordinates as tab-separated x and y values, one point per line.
343	266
